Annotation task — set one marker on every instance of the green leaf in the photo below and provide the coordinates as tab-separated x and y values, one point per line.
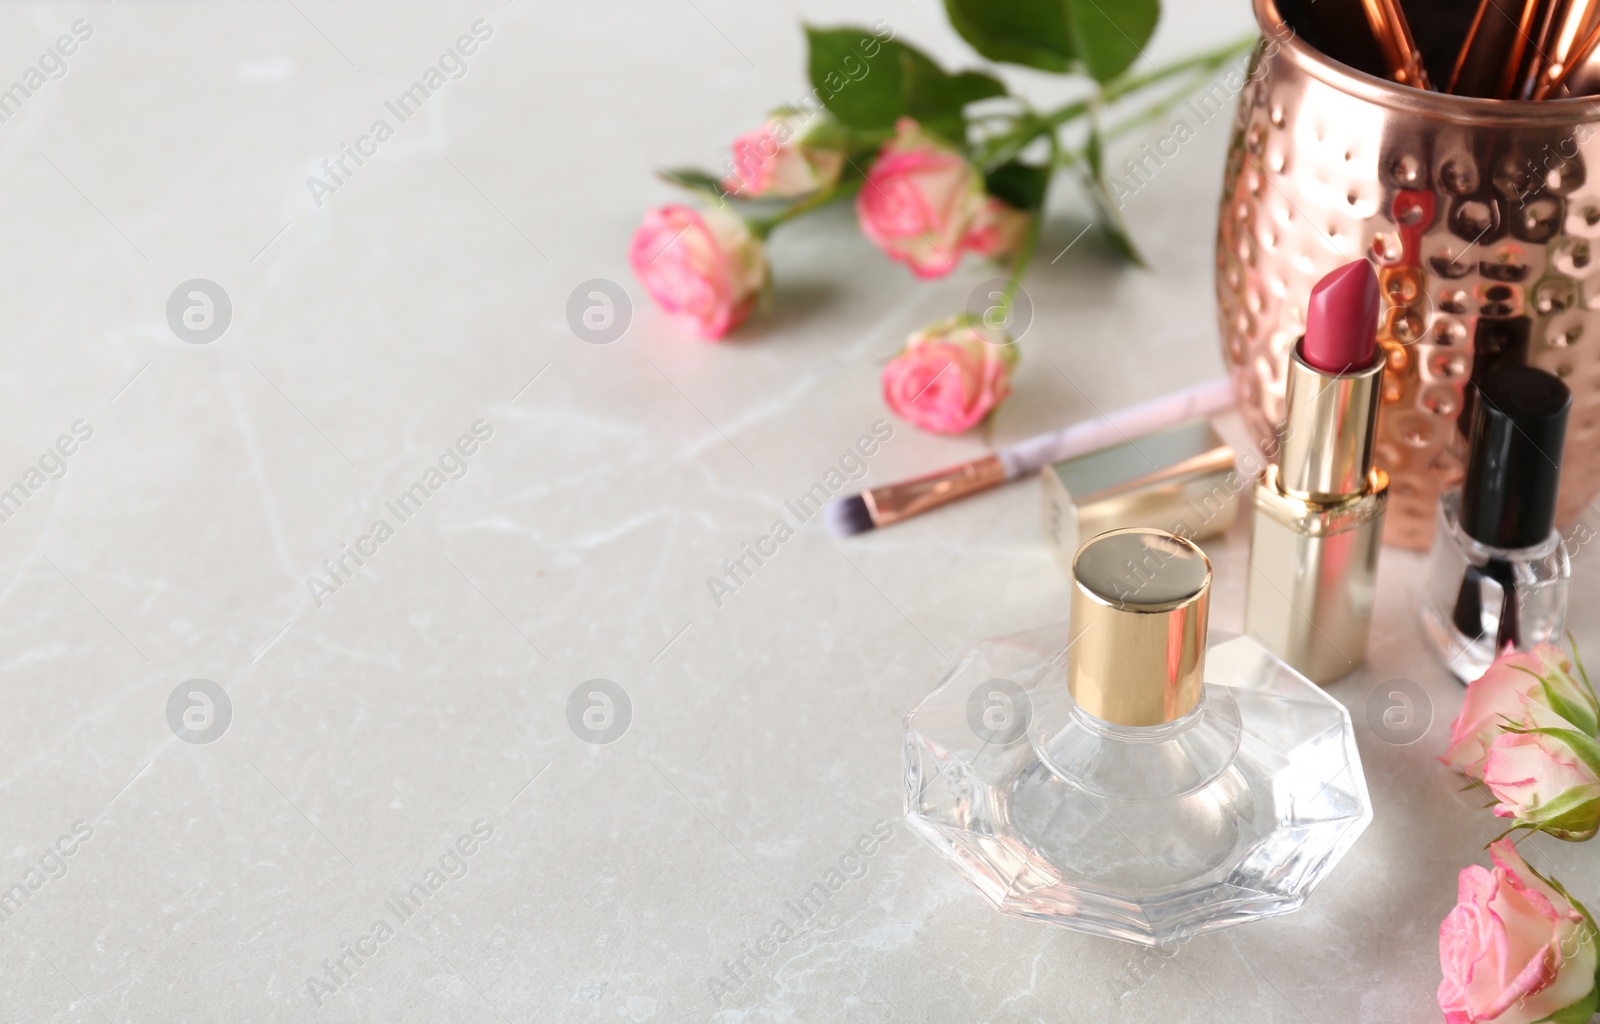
1583	675
1585	716
695	180
869	83
1109	214
1032	33
1094	149
1579	715
855	75
936	99
1570	816
1100	37
1488	800
1019	184
1572	642
1110	34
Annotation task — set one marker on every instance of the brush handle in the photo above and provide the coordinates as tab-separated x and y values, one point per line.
1492	53
1570	66
1393	33
1032	455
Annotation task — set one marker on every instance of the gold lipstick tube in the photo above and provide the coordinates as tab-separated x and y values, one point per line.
1318	524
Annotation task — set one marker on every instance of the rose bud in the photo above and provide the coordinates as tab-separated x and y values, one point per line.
702	267
923	204
1503	696
793	153
998	228
1548	779
950	375
1515	950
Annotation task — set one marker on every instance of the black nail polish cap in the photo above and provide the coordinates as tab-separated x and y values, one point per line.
1519	424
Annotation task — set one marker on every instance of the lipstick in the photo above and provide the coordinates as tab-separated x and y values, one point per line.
1342	320
1318	519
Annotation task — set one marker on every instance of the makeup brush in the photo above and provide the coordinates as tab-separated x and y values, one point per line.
1339	29
1536	54
1393	33
1561	33
1560	73
1441	28
891	503
1489	59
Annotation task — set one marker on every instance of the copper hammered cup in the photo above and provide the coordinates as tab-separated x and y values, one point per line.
1484	226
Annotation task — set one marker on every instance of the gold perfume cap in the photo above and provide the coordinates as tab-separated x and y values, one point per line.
1140	599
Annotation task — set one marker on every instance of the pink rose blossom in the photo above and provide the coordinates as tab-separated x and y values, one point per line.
791	154
1515	950
1543	781
923	204
997	229
703	267
1513	691
950	375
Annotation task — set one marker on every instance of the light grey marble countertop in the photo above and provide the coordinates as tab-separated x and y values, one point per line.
427	697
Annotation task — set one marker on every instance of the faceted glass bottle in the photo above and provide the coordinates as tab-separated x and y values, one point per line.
1470	583
1228	801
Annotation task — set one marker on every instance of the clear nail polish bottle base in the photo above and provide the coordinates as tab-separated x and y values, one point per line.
1464	613
1150	834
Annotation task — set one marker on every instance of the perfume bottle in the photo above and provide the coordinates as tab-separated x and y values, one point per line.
1498	573
1114	776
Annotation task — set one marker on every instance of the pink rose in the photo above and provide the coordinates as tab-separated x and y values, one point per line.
950	375
923	204
1515	950
703	267
998	228
1508	693
793	153
1549	780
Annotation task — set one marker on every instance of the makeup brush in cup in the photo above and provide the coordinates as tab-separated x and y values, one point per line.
1563	71
1561	38
1370	35
1492	53
1401	58
891	503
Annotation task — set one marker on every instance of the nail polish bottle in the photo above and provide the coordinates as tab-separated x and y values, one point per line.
1115	776
1499	570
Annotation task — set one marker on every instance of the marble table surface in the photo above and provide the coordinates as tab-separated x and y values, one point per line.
260	777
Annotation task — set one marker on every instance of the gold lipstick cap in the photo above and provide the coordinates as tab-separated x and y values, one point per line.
1140	599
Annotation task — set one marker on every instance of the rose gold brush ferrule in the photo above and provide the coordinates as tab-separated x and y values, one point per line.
1565	24
1318	524
1393	35
1563	66
893	502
